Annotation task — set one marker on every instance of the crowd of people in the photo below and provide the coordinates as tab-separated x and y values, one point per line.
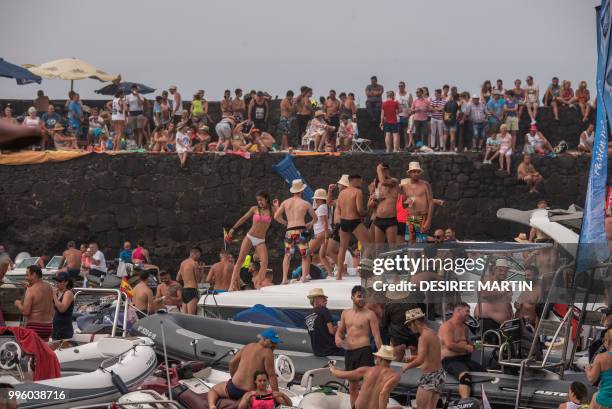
448	120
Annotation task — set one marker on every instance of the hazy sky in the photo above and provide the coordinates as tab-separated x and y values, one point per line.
276	45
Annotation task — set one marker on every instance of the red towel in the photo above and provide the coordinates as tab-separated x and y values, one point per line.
47	364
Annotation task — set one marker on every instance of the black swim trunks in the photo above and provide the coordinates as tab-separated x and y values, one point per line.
356	358
189	294
348	226
383	223
456	365
234	392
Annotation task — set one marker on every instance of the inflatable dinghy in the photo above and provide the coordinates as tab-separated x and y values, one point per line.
98	372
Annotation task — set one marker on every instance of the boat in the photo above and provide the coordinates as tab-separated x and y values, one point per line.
212	340
17	273
97	372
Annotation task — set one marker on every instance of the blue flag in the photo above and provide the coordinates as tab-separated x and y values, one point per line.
593	245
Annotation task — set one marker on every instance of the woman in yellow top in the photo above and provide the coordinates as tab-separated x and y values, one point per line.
199	110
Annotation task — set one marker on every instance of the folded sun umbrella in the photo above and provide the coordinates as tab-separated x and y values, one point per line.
126	87
21	75
71	69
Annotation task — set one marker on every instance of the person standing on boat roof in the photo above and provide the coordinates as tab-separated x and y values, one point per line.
298	231
37	304
321	326
255	238
187	274
356	326
256	356
63	302
377	381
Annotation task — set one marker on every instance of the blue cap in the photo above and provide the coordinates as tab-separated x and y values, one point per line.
271	335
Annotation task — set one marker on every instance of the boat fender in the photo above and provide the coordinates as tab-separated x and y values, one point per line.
119	384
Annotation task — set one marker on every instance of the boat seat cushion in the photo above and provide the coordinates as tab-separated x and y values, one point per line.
114	346
83	365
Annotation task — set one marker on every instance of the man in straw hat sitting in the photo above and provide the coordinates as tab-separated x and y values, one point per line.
428	358
419	202
378	381
319	130
321	326
295	209
63	142
357	324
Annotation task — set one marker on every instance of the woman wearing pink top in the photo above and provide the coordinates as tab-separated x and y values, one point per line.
263	397
256	237
505	148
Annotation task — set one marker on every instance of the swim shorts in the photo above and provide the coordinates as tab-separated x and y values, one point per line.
433	381
413	230
296	237
43	330
383	223
234	392
348	226
188	294
356	358
456	365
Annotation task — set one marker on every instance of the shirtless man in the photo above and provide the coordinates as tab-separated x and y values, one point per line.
256	356
428	358
384	204
419	202
238	106
71	259
188	273
168	292
304	109
495	306
143	296
353	334
220	274
297	235
528	174
351	212
333	244
457	350
287	116
377	381
37	304
527	301
332	109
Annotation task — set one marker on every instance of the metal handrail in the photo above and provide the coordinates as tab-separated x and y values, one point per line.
121	297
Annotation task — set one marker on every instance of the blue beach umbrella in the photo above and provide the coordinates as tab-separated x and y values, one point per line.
126	87
21	75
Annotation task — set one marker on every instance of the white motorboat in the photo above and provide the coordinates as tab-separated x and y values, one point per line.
97	372
19	269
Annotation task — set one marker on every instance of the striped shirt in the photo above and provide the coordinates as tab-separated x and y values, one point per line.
435	105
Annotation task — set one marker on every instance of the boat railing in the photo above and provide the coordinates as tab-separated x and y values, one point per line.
158	404
121	299
208	292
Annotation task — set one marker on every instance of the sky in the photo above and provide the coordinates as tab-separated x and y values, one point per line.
276	45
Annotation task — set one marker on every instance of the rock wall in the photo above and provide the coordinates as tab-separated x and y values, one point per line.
137	196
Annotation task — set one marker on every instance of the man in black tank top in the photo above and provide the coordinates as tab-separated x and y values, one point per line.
258	112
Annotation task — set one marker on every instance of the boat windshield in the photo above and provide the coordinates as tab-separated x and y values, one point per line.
26	262
54	263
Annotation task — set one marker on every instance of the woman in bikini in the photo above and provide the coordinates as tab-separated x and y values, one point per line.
262	397
256	237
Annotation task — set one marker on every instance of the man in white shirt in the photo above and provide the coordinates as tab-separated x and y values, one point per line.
176	103
98	262
136	118
405	101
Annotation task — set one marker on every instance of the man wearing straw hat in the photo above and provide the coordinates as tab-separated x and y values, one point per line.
428	358
419	202
378	381
295	209
321	326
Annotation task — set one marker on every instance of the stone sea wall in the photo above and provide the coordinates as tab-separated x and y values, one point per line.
138	196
